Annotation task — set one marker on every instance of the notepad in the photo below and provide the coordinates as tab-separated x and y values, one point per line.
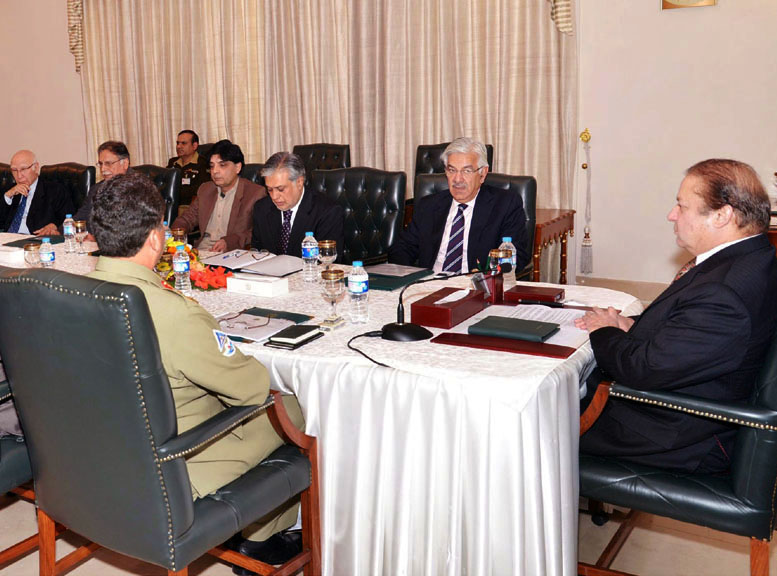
514	328
294	336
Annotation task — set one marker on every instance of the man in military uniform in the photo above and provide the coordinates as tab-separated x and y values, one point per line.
194	168
206	371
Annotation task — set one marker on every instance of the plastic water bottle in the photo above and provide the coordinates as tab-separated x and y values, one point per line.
69	231
46	252
181	268
309	258
358	293
507	244
168	232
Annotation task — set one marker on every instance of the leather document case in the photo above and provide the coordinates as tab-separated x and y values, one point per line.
514	328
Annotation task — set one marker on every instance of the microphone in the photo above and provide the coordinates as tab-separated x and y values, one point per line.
401	331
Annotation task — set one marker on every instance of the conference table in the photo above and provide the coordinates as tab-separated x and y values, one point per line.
450	460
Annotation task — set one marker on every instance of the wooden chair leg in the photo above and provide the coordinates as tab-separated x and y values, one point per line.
47	533
759	557
18	549
311	515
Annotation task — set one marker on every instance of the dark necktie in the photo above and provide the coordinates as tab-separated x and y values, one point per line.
285	231
681	272
455	243
17	219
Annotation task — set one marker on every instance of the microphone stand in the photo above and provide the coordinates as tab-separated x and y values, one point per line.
401	331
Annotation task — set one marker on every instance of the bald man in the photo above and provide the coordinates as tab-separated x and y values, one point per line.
32	206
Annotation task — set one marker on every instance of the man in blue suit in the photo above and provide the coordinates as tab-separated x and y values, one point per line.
454	230
706	335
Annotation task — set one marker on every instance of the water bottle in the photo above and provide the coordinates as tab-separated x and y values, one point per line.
181	268
507	244
69	231
358	293
46	252
309	258
168	232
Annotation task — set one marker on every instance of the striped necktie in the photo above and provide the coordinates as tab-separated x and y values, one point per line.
455	243
17	218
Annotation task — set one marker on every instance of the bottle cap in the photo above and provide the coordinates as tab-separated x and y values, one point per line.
164	222
180	248
68	215
356	263
46	240
308	233
507	239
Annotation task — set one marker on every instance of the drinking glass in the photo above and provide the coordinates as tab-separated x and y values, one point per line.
81	233
332	289
31	255
179	235
327	252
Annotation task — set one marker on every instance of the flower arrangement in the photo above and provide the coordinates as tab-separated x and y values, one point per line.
203	277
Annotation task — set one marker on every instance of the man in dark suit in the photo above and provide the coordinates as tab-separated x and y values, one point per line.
454	230
33	206
706	335
194	168
281	219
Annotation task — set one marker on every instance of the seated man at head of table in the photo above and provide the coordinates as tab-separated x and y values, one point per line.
205	370
193	166
222	209
33	206
454	230
113	159
281	219
706	335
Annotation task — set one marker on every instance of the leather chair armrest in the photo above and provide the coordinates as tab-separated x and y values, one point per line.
733	413
283	425
210	430
5	390
594	409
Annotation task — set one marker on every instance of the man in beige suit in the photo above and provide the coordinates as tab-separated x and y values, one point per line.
206	371
222	210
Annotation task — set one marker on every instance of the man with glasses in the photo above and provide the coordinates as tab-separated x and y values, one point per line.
453	230
113	159
32	206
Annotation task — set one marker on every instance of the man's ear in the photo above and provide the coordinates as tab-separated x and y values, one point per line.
723	216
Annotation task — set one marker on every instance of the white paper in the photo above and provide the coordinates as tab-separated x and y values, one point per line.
236	259
453	297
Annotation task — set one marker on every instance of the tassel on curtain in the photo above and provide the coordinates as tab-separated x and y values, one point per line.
587	248
561	14
75	31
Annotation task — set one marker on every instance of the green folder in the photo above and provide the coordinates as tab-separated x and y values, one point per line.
56	239
283	315
514	328
384	282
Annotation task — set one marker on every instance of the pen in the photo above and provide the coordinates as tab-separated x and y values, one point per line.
228	255
540	303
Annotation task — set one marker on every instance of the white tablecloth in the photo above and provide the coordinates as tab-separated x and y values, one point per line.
451	461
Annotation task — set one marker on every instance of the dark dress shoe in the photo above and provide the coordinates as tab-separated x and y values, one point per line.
277	549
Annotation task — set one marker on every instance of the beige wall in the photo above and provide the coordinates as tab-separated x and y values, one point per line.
40	97
660	90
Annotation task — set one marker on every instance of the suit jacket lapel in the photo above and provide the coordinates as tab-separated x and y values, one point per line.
235	212
438	221
273	223
484	205
303	222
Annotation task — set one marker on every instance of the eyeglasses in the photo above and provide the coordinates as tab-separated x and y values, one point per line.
23	169
466	172
109	163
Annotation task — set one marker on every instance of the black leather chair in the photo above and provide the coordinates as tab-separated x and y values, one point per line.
526	186
76	178
323	156
253	172
168	180
14	472
6	178
741	503
204	149
428	158
102	437
374	203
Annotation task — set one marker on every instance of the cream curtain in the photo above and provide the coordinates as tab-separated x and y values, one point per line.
383	76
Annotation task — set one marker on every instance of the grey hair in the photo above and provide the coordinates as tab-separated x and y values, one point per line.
464	145
284	161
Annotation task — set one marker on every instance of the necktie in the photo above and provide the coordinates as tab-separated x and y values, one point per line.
681	272
455	243
17	218
285	231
